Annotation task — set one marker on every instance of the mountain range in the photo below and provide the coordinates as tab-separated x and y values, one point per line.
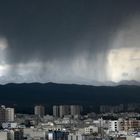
29	94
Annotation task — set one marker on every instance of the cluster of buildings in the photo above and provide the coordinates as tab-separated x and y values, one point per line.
120	108
8	126
124	125
67	123
62	110
59	111
6	114
112	109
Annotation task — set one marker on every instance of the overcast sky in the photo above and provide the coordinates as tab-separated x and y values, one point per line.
69	41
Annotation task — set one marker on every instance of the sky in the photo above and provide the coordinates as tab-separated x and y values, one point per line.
69	41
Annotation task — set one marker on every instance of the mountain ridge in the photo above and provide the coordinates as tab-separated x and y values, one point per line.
100	84
27	95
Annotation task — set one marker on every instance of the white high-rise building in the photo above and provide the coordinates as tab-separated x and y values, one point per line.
75	137
64	110
114	125
39	110
2	114
9	114
3	135
75	110
56	111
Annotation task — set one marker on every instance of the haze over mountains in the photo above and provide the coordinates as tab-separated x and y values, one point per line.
4	80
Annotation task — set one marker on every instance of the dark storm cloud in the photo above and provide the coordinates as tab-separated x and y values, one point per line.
49	28
60	36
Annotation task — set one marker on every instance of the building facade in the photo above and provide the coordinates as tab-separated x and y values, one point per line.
39	110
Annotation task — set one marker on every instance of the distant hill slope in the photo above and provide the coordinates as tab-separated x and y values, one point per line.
51	93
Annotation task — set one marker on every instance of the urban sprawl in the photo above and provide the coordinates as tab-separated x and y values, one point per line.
68	122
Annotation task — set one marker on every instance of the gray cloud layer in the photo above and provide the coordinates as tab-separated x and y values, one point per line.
66	41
